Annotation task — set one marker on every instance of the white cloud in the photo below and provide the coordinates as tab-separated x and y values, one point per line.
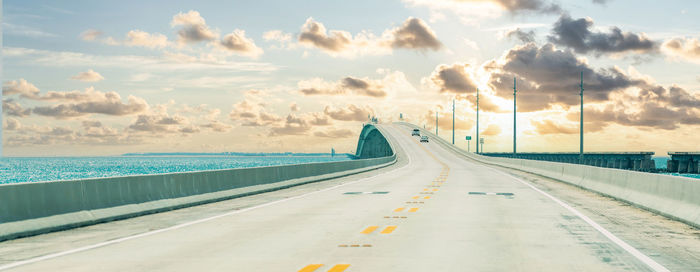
145	39
88	76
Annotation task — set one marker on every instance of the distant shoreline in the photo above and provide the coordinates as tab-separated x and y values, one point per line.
235	154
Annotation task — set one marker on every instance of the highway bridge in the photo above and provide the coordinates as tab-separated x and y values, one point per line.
416	207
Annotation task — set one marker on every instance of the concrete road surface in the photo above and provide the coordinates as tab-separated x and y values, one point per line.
433	211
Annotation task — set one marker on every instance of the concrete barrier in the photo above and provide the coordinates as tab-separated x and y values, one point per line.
670	196
40	207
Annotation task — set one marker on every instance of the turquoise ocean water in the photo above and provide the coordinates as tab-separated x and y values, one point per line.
14	170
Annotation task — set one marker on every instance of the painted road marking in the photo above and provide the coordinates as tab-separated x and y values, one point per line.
366	193
395	217
427	197
388	230
508	195
355	245
630	249
369	229
399	209
310	268
339	268
435	190
416	197
413	210
195	222
425	189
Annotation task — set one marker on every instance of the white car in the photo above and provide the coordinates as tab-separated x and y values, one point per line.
416	132
423	139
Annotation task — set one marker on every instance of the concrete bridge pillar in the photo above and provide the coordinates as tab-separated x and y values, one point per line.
672	166
611	163
683	166
636	165
692	166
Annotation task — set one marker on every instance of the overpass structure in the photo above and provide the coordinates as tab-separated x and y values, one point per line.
414	207
684	162
638	161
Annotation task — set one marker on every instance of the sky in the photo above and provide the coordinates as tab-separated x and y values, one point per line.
96	78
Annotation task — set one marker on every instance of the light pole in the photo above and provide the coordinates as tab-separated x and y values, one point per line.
477	121
515	132
580	154
453	121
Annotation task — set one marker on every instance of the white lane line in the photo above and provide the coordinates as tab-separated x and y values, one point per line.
630	249
123	239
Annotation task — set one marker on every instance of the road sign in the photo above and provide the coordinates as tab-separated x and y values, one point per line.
469	138
481	140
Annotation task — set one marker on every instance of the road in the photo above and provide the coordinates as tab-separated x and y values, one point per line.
433	211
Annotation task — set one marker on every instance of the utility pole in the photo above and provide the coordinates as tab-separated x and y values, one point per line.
580	154
436	123
477	121
515	132
453	121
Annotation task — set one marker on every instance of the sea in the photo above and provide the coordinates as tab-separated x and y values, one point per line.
27	169
660	163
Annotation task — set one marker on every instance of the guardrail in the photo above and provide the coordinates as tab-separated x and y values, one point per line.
40	207
670	196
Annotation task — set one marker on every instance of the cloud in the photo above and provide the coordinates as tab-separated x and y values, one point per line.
159	123
472	12
347	85
88	102
11	124
167	62
547	76
217	126
455	78
21	87
293	125
683	49
335	133
491	130
445	120
91	123
238	43
577	35
545	127
88	76
521	35
314	33
293	107
11	108
414	33
251	112
349	113
27	31
194	28
145	39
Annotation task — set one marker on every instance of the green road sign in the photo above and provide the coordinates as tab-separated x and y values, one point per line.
469	138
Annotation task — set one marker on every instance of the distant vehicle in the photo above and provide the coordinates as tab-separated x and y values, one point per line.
423	139
416	132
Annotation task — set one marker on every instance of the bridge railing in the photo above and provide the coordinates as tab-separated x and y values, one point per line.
40	207
670	196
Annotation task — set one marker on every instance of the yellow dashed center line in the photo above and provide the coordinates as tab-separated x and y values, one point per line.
388	230
310	268
416	197
427	197
398	209
369	229
339	268
413	210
